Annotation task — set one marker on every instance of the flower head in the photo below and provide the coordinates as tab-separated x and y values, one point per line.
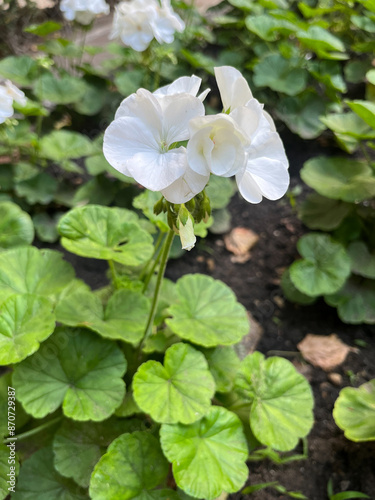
137	22
142	142
83	11
8	94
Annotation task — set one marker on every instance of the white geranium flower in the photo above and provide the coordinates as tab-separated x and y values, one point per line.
265	171
8	94
83	11
217	145
140	142
184	85
137	22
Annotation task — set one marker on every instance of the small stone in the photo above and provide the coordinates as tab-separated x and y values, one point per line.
335	378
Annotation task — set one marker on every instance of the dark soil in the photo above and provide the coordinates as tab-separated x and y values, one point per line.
256	283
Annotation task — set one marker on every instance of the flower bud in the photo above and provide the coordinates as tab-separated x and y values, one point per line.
185	225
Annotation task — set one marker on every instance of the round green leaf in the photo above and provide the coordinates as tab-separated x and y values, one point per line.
63	145
25	321
348	124
78	446
292	293
84	374
29	270
363	262
5	468
16	227
207	312
21	70
355	301
277	73
223	363
46	226
220	190
179	391
124	317
324	268
354	412
39	189
64	90
106	233
320	40
222	221
209	456
38	479
132	466
281	400
145	202
370	76
319	212
339	178
302	114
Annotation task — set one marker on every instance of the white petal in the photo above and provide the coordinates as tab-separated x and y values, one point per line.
199	149
186	187
124	138
268	145
250	118
183	85
157	171
263	177
178	110
234	89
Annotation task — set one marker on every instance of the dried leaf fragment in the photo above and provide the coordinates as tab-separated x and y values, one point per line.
239	241
324	352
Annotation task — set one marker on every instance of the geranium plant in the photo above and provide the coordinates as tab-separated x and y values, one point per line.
143	375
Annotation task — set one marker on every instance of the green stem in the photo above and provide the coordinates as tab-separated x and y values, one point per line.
31	432
365	153
163	265
156	252
113	273
151	273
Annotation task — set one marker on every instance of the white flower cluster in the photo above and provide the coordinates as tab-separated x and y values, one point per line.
138	22
146	140
83	11
8	94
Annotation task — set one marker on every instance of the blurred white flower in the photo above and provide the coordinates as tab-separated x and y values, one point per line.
137	22
265	171
141	143
83	11
8	94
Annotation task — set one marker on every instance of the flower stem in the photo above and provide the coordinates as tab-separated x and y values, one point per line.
164	259
31	432
113	273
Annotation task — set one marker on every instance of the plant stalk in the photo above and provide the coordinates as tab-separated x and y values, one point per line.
32	432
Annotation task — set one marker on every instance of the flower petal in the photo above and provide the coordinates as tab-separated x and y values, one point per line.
234	89
183	85
186	187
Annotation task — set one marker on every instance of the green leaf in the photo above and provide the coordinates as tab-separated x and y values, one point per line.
363	262
5	470
348	495
324	268
319	212
129	82
355	71
61	47
31	108
281	400
223	363
354	412
220	190
38	479
85	377
365	110
25	321
263	26
93	99
29	270
370	76
78	446
145	202
46	226
179	391
355	302
320	41
329	73
64	90
97	191
363	23
277	73
39	189
349	124
339	178
222	221
131	468
124	317
209	456
43	29
302	114
207	312
292	293
16	227
63	145
22	70
106	233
